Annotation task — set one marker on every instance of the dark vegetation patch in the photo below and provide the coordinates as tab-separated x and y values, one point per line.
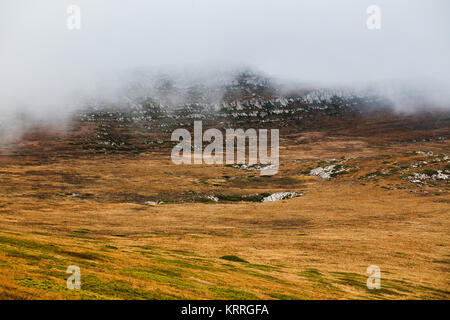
282	296
318	280
238	198
429	172
233	258
81	232
85	255
264	182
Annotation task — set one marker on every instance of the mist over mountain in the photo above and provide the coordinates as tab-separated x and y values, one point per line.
181	51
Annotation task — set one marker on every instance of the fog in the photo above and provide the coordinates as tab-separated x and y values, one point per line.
47	70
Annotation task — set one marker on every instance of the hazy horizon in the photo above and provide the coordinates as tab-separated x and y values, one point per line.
48	69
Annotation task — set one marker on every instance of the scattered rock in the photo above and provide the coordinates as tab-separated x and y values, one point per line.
153	203
327	172
213	198
420	177
282	196
429	153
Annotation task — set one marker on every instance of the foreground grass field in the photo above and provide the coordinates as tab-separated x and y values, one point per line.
103	213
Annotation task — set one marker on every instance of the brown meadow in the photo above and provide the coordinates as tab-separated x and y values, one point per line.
59	208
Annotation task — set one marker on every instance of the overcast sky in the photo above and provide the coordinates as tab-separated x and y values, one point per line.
44	66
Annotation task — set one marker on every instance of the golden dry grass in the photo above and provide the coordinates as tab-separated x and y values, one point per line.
90	211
